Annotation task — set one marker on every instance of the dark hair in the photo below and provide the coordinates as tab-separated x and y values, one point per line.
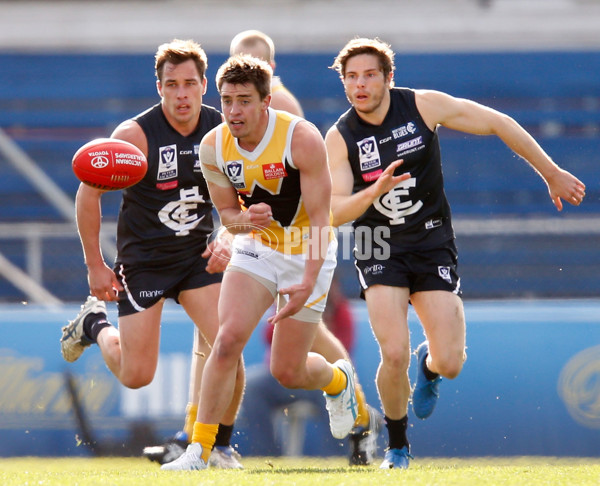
178	51
375	47
244	69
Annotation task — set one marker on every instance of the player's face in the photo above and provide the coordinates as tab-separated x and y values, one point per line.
244	111
181	90
364	83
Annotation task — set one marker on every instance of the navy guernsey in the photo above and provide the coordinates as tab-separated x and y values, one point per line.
168	214
416	211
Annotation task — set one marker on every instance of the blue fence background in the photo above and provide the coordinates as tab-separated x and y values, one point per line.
530	385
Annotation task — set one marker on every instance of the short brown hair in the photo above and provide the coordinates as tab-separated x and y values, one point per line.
376	47
245	69
178	51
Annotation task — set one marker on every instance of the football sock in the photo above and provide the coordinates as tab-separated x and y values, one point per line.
223	438
93	324
205	434
190	418
430	375
337	384
397	432
363	413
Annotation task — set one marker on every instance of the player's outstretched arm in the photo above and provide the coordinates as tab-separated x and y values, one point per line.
467	116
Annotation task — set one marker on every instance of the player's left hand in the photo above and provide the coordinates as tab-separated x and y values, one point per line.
564	185
297	297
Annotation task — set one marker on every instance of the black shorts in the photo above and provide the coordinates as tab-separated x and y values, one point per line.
418	271
145	285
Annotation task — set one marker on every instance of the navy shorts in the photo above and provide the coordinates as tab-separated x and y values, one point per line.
421	270
145	285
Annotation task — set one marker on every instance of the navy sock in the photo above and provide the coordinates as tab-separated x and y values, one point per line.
93	324
430	375
223	438
397	432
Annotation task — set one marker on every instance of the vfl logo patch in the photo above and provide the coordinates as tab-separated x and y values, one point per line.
368	154
444	272
274	171
167	163
234	169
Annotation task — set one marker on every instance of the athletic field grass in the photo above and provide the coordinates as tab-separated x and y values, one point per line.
522	471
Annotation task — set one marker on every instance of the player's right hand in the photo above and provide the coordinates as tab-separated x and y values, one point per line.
387	180
259	215
103	283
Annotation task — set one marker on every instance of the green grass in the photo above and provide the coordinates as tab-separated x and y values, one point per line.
33	471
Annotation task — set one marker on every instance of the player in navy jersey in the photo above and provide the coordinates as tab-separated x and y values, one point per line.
163	230
387	178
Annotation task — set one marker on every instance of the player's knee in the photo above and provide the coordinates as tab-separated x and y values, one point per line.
136	379
286	377
396	356
227	347
449	367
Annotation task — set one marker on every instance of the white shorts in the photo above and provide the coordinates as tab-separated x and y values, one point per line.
276	271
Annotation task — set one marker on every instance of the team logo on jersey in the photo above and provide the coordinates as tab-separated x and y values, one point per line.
182	215
274	171
234	169
167	162
393	206
404	130
368	154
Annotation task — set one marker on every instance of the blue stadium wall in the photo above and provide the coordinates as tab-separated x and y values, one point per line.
530	386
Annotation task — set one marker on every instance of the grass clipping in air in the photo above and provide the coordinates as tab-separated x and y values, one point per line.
303	471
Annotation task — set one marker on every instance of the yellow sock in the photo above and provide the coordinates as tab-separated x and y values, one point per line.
205	434
190	417
338	382
363	414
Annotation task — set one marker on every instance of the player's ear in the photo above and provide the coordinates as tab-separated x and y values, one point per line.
267	101
390	80
159	87
204	84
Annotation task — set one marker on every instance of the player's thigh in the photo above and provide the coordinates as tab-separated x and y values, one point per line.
443	319
201	305
388	310
140	337
243	301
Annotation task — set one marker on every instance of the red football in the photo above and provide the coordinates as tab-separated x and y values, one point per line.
109	164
